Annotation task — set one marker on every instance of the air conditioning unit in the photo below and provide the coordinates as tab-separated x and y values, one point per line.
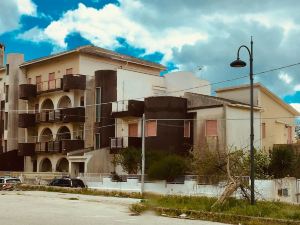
116	143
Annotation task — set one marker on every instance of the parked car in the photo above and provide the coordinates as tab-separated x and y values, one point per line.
8	182
67	182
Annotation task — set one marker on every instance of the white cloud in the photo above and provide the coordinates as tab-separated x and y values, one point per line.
35	34
26	7
11	12
102	27
296	106
191	33
285	77
297	87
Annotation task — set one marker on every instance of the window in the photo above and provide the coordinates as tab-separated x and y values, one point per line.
97	141
133	130
82	101
98	104
290	137
283	192
6	121
263	130
151	128
69	71
187	129
38	79
7	69
5	145
211	128
6	93
51	81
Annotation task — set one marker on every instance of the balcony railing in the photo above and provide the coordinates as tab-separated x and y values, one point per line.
74	81
51	85
27	120
128	108
67	115
59	146
27	91
26	149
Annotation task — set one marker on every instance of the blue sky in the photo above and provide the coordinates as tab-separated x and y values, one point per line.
184	35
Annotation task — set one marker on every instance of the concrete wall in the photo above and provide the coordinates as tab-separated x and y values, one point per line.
185	80
199	126
12	79
242	95
238	128
277	118
58	65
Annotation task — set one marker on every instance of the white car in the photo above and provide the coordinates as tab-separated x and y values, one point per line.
9	181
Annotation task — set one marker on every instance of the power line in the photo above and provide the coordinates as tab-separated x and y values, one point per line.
185	89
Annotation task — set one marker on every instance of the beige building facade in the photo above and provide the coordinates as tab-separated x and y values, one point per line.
277	122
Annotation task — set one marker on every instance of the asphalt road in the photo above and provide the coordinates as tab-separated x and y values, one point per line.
47	208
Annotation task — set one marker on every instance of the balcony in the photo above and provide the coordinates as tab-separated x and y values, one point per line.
27	91
27	120
76	114
116	144
67	115
61	146
71	82
26	149
130	108
49	86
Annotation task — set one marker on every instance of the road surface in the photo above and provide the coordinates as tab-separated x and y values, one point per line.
49	208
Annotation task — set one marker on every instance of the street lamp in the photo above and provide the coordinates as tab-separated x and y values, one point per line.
239	63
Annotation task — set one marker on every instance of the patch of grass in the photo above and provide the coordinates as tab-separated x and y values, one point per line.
138	208
193	206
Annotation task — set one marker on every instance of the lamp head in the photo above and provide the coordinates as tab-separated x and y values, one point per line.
238	63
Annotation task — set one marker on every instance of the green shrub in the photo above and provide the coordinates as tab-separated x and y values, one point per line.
130	160
283	162
167	168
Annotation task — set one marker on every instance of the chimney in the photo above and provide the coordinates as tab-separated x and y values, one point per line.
2	48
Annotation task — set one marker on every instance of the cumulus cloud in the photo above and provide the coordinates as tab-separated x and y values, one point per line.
285	77
11	12
296	106
193	33
102	27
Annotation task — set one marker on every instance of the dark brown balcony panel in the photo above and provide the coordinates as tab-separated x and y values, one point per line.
72	145
76	114
27	120
26	149
71	82
134	109
27	91
135	142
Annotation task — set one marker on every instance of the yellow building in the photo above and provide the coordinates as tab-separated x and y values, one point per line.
277	117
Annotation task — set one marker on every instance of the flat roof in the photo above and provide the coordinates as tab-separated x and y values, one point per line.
97	51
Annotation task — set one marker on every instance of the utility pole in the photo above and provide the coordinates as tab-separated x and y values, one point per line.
143	155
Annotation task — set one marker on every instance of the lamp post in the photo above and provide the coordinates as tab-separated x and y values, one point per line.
240	63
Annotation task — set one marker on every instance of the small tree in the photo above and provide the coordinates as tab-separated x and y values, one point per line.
167	168
283	162
130	160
